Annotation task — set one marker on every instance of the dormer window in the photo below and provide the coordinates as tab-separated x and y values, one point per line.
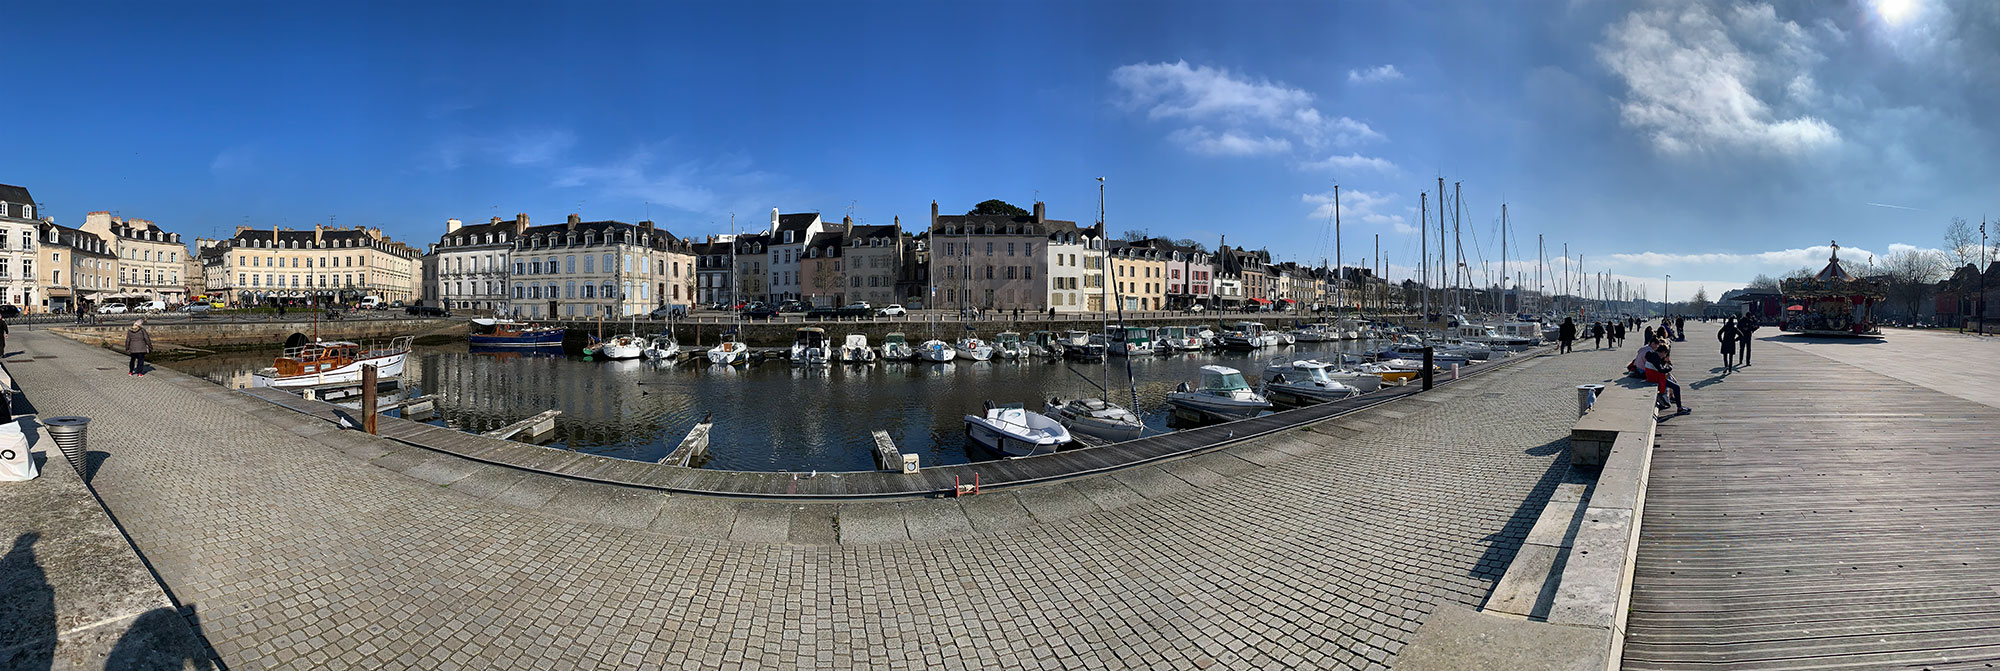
788	237
27	211
989	229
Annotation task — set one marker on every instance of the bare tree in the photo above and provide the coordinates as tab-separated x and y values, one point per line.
1762	281
1911	274
1699	304
1135	235
1800	273
1961	245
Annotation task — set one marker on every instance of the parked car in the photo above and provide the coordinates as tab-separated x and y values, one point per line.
668	311
1197	307
150	306
792	306
112	309
427	311
892	310
858	305
195	308
758	311
10	311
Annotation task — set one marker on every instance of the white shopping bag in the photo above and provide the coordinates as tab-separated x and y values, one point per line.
15	463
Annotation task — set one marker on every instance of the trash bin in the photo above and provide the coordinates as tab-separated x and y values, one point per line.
1586	396
71	437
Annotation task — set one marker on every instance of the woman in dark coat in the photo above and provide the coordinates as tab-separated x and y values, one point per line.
1566	333
138	343
1728	338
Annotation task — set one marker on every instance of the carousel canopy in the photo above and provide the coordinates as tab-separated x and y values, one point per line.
1834	281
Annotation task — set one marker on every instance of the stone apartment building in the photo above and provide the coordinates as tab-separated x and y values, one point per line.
18	228
1007	262
874	258
473	264
750	265
150	259
1249	268
715	269
580	270
75	268
1189	273
1138	277
323	265
193	278
913	282
823	269
785	244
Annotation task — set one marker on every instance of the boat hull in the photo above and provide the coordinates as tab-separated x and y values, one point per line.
538	339
385	367
1216	407
1005	444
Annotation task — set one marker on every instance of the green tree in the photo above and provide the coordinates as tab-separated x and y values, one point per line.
998	207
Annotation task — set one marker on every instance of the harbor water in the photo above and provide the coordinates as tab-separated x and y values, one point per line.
770	416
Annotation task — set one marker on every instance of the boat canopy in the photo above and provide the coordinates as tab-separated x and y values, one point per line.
1222	378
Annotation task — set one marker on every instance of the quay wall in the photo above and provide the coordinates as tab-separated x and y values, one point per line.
209	334
760	333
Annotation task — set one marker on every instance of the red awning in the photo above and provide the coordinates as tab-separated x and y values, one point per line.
1262	301
1286	300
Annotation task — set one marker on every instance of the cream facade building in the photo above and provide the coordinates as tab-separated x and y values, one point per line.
1138	277
322	265
580	270
150	259
18	229
473	264
74	268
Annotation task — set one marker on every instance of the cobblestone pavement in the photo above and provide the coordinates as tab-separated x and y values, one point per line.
1320	548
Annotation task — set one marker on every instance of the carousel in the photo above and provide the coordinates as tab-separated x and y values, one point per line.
1833	302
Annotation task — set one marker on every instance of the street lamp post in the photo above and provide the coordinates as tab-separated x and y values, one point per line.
1665	292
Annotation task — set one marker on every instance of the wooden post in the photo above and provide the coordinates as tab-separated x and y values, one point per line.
1427	367
368	398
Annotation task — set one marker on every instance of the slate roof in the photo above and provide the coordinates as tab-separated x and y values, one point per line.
15	197
796	222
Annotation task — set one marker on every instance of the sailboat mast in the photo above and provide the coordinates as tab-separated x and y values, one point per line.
1461	273
1503	260
1424	249
1340	284
1443	295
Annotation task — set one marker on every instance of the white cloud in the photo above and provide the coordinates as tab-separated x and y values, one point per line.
521	147
702	186
1201	140
1379	73
1695	80
1357	205
1239	114
1353	162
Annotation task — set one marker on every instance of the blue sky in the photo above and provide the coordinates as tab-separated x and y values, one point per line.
1709	140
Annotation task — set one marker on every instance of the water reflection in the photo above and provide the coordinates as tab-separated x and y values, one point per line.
770	415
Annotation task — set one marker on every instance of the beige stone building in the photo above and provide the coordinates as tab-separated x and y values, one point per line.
584	269
1139	277
74	268
18	227
322	265
150	259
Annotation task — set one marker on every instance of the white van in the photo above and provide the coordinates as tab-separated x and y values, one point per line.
371	302
150	306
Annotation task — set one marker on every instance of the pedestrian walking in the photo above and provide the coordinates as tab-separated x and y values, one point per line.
1680	328
1728	338
1744	330
1618	334
1052	313
138	343
1597	335
3	336
1566	334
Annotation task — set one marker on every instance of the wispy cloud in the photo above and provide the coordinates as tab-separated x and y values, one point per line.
649	175
523	147
1896	207
1353	162
1228	114
233	162
1201	140
1379	73
1693	78
1357	205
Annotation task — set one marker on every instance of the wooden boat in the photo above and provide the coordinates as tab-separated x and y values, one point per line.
509	333
309	364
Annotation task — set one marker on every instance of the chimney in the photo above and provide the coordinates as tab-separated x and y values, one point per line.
847	225
1041	212
574	219
933	214
318	230
494	221
451	225
774	220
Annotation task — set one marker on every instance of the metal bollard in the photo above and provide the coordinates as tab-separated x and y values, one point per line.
72	437
1586	396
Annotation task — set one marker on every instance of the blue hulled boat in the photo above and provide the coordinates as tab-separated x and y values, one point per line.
508	333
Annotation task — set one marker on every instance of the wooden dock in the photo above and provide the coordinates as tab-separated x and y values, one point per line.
1816	514
932	481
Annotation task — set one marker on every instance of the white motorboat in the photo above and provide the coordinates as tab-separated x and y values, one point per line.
1247	336
1095	417
662	347
1222	394
810	347
1007	345
308	364
1178	339
1352	329
1412	348
1361	381
895	347
1481	335
936	350
1081	346
1133	342
729	353
974	349
1043	344
621	347
1011	430
1208	335
1522	333
856	350
1304	383
1282	338
1321	332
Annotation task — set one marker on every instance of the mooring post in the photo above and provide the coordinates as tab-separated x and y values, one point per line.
1428	351
368	398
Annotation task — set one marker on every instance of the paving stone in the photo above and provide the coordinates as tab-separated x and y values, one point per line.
760	522
936	518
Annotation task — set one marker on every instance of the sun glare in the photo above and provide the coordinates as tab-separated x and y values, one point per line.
1894	12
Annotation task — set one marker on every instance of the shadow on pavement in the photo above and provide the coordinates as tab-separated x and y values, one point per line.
1502	545
28	615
